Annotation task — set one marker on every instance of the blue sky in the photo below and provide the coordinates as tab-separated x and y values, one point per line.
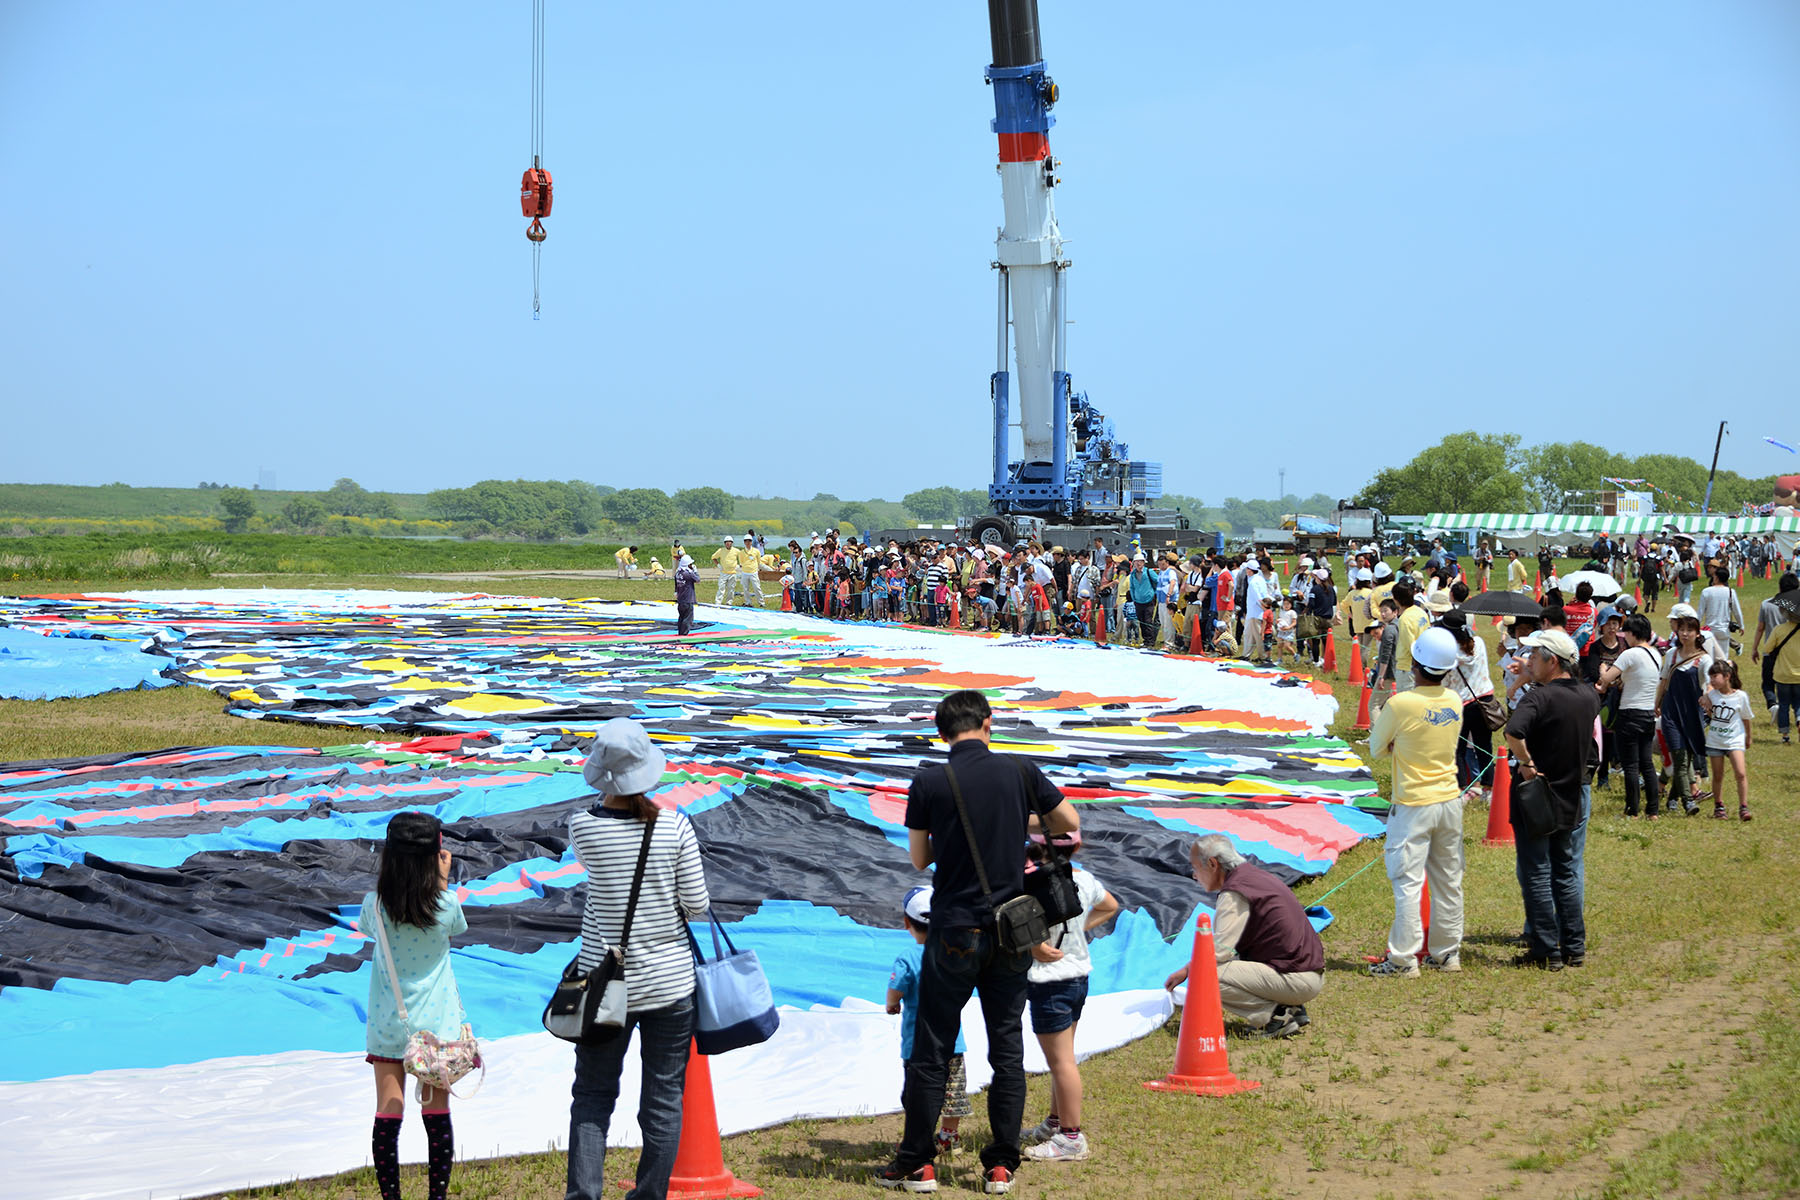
1313	236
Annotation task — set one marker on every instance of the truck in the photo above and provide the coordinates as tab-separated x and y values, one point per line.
1073	479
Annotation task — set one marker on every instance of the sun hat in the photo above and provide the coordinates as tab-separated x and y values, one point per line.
917	905
1554	640
1439	603
1681	611
1323	573
1383	571
623	761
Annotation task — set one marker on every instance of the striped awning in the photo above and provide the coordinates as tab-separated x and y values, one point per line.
1692	523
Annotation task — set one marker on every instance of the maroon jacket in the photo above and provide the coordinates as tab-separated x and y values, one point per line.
1277	933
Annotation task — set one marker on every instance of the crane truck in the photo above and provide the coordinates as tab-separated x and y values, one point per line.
1074	479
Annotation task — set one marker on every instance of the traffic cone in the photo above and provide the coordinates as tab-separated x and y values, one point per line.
1330	653
700	1172
1740	574
1201	1068
1356	662
1499	830
1424	918
1362	708
1637	594
955	609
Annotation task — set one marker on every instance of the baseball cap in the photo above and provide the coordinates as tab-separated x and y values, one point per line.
1323	573
1683	610
917	905
1607	614
1554	640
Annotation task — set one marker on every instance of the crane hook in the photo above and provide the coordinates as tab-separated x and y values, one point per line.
537	232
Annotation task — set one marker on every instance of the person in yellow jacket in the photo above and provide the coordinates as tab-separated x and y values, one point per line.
1517	579
626	558
656	570
1355	611
1420	729
725	558
1381	587
1413	620
1782	645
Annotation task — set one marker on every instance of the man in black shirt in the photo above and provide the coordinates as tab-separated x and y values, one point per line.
961	954
1551	733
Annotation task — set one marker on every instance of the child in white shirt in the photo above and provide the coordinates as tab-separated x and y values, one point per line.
1286	625
1727	708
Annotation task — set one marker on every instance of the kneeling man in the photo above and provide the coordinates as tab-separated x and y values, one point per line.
1271	961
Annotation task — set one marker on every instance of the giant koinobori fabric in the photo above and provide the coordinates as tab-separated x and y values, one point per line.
198	903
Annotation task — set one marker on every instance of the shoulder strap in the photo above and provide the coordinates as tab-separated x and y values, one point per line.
387	959
637	883
969	835
1776	653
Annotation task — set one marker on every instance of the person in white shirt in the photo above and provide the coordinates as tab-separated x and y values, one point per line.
1719	608
1637	672
1259	596
1728	713
1056	988
1472	682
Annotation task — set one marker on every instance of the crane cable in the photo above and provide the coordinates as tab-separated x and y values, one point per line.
537	137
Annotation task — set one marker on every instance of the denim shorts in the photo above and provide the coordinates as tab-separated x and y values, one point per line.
1056	1006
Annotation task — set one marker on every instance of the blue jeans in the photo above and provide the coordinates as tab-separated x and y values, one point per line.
664	1034
957	963
1787	700
1552	880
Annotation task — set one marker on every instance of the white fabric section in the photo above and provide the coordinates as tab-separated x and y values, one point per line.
243	1122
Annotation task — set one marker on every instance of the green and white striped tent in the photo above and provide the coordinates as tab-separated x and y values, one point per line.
1691	523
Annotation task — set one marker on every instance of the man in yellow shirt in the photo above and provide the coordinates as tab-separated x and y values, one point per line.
1420	728
1383	576
626	558
1411	622
1516	578
725	558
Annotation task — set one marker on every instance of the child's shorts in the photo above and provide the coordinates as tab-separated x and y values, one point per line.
1056	1006
1718	752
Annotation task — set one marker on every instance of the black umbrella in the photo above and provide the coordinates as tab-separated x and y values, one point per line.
1502	604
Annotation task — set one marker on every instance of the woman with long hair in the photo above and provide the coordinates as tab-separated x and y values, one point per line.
609	839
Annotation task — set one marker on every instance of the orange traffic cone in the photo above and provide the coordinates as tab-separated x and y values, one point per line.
1424	918
1201	1068
1740	574
1499	830
700	1172
1637	594
955	609
1362	709
1330	652
1356	662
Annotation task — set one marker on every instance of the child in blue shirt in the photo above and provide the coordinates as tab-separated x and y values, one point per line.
903	998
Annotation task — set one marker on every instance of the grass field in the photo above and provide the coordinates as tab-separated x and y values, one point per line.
1663	1067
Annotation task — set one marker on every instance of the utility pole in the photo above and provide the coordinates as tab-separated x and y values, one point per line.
1706	504
1281	473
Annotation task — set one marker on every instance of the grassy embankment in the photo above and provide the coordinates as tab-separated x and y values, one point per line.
1663	1067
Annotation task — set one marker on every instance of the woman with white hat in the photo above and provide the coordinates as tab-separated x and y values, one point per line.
610	839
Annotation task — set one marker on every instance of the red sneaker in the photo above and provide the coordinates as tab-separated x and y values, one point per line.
997	1181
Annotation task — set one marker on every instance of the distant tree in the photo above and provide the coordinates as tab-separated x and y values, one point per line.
1465	472
935	505
973	503
648	510
824	496
710	503
238	506
856	513
346	499
304	512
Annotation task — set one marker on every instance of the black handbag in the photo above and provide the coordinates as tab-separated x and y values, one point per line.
1019	924
1492	715
1052	885
1532	812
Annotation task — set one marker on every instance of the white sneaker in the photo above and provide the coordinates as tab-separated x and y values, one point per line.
1038	1134
1450	963
1062	1148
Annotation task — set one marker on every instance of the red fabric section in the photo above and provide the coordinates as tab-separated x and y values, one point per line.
1023	147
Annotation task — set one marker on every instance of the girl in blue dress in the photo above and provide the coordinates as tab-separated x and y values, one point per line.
420	915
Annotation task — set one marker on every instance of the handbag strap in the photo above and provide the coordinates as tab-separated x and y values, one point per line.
387	959
637	883
962	811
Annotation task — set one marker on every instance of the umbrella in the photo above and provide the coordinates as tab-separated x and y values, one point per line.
1502	604
1604	585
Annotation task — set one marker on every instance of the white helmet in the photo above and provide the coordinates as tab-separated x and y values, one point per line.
1435	650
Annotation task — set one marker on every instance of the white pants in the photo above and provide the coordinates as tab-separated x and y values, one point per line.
726	581
1250	991
751	586
1424	844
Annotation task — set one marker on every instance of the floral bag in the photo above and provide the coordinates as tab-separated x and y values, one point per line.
428	1058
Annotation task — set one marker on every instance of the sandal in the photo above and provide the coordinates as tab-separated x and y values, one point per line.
1743	812
1718	810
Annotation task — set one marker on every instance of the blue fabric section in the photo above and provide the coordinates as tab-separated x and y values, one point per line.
34	667
31	853
242	1008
